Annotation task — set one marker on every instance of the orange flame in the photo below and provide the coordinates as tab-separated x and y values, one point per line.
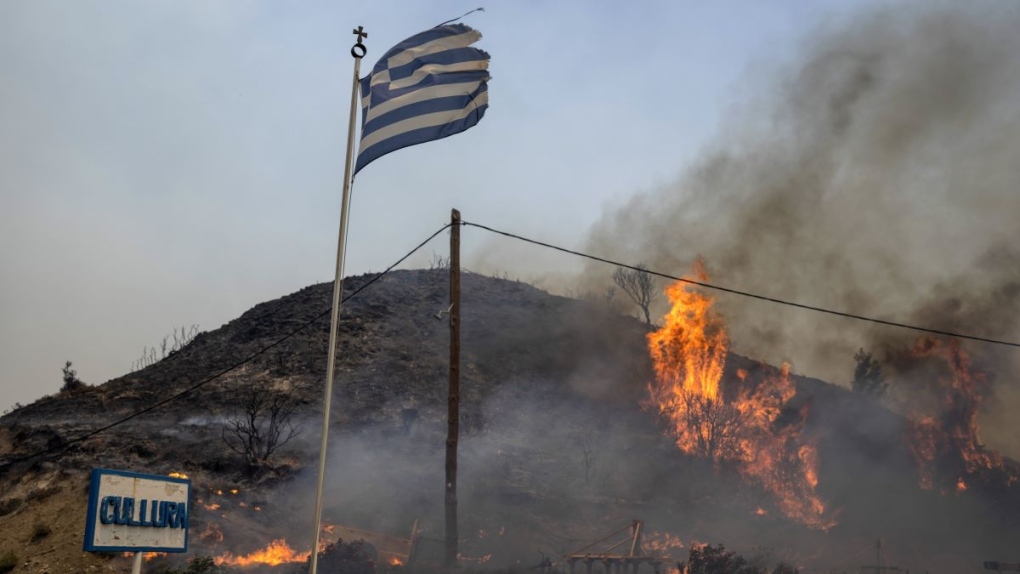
395	561
147	556
690	349
276	553
948	442
177	475
740	426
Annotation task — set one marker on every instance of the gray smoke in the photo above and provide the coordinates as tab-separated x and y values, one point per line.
878	175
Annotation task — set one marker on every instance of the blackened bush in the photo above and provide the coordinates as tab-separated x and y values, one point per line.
710	559
71	381
347	558
10	505
40	530
8	561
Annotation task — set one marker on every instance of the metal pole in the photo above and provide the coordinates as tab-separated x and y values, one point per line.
358	51
136	566
453	429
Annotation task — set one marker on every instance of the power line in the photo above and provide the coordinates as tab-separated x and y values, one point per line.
64	446
745	293
249	358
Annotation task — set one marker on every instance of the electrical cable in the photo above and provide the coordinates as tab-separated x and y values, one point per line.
745	293
65	445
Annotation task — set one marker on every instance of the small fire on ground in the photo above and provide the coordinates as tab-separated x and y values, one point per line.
276	553
147	555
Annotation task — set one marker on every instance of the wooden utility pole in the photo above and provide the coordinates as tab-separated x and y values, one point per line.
453	431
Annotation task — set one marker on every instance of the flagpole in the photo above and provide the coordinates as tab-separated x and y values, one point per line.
358	51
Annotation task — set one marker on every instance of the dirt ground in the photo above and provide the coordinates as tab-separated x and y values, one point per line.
56	501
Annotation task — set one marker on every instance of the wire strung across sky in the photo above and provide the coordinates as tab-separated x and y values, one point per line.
744	293
64	446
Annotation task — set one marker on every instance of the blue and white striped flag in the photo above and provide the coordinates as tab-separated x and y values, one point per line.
430	86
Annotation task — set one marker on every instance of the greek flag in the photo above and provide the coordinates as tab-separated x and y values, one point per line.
430	86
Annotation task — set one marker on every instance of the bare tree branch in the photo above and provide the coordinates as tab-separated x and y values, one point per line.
263	427
586	445
171	343
639	285
715	426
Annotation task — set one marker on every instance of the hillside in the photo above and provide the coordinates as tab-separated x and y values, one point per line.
545	380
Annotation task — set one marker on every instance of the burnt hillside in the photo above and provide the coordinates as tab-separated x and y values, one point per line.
392	354
557	448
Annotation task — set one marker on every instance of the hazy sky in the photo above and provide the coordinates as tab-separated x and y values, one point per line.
173	163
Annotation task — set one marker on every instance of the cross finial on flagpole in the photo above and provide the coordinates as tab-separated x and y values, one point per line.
359	50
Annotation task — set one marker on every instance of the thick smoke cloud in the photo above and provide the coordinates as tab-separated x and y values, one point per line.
545	472
876	175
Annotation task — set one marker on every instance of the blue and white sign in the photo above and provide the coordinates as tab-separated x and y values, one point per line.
131	512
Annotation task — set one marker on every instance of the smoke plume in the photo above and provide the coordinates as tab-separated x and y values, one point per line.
876	175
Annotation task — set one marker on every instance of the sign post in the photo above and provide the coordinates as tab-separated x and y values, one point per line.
132	512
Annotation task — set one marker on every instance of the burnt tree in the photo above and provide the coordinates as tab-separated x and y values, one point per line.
712	428
264	426
639	285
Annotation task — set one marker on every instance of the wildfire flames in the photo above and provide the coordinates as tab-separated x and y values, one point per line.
947	445
278	552
742	425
